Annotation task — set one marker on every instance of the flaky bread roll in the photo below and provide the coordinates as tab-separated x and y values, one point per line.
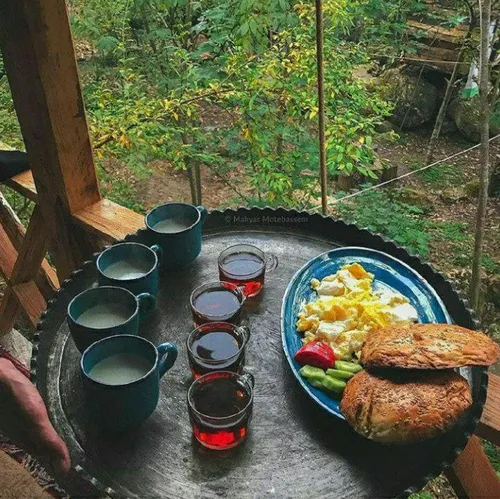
405	407
428	346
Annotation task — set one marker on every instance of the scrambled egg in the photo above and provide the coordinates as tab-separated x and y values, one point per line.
347	309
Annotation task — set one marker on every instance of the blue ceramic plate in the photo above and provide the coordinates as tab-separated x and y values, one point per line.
390	273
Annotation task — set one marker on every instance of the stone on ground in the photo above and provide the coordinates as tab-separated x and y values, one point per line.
414	98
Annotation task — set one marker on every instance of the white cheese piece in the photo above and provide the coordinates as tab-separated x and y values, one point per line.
332	288
388	297
404	313
328	331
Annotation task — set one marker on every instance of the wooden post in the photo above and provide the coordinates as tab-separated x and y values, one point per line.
38	54
472	475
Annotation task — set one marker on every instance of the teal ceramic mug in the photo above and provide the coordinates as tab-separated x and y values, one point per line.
176	227
121	378
106	311
132	266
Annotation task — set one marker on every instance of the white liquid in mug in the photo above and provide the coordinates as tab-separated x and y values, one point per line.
171	226
126	269
104	315
120	368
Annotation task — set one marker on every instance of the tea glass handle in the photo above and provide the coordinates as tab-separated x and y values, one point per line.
146	303
249	378
242	289
245	332
159	252
271	262
203	212
168	355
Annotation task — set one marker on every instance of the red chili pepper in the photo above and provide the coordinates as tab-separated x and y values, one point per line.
316	354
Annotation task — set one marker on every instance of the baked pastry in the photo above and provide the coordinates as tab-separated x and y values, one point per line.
428	346
404	407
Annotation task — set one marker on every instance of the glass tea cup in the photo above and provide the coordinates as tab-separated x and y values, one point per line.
216	301
217	346
243	266
220	408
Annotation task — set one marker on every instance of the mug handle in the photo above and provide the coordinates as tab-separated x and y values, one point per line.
165	363
159	252
249	378
146	303
203	212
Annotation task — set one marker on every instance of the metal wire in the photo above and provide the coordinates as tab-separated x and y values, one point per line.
382	184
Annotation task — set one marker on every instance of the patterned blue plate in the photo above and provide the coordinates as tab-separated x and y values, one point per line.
390	273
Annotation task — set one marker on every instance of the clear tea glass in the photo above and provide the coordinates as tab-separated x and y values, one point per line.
244	266
220	408
216	302
217	346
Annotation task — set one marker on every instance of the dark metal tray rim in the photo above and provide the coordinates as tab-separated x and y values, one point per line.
247	212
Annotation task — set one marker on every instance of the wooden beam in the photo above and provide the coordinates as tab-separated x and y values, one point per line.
11	223
9	308
39	58
489	425
12	235
24	183
109	220
449	35
32	251
8	255
26	267
33	303
472	475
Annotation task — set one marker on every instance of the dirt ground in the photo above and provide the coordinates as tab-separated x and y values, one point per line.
167	185
411	151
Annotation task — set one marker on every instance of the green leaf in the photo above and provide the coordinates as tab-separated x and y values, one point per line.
107	43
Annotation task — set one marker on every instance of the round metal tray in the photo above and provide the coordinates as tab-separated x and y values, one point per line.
294	448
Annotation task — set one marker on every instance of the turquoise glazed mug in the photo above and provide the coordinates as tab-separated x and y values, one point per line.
176	227
132	266
106	311
121	378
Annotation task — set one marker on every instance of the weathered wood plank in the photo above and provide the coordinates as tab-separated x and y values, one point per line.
450	35
109	220
23	183
489	425
8	255
9	308
472	475
31	299
39	59
46	278
11	223
24	266
33	250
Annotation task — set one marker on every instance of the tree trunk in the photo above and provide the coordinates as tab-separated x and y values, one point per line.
193	176
447	96
321	105
442	110
485	14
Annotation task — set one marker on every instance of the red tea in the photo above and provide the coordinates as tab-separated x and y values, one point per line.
218	304
222	410
215	347
243	268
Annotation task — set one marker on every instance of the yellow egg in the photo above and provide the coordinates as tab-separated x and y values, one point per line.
343	319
